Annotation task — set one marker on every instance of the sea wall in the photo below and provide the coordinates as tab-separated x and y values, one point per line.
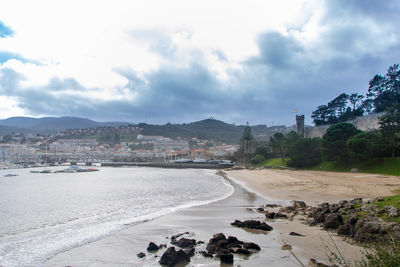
367	123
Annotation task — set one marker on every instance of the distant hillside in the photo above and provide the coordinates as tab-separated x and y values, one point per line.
27	124
209	129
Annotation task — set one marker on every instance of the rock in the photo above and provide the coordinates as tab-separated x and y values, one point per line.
242	251
270	215
200	242
189	251
272	205
252	224
314	263
184	243
366	230
152	247
216	243
226	258
141	255
295	234
299	204
171	257
286	247
251	245
162	246
234	242
260	210
356	201
354	170
179	235
333	221
311	222
392	211
206	254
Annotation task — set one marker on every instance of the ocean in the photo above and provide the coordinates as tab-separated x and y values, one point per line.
42	215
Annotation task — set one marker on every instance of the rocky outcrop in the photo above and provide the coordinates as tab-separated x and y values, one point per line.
171	257
252	224
357	218
152	247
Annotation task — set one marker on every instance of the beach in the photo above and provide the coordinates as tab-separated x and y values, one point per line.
253	188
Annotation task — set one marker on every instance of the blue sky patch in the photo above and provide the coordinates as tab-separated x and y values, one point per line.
5	31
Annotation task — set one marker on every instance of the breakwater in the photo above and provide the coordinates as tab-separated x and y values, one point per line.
168	165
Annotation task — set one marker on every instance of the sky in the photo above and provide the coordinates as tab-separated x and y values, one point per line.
160	61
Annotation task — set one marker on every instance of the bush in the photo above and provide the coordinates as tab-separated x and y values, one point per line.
306	152
261	150
257	159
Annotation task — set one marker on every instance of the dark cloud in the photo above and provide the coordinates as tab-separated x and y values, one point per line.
287	73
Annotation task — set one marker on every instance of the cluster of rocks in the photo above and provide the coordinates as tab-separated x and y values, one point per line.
358	219
252	224
219	247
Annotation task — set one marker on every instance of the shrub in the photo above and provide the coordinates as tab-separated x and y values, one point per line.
257	159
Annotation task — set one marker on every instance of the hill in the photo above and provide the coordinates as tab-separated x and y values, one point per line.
28	124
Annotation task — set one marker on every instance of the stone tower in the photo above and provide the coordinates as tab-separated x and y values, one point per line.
300	124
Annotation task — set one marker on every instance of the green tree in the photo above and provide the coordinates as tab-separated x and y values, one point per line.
390	128
290	140
334	141
261	150
247	140
360	146
276	143
306	152
257	159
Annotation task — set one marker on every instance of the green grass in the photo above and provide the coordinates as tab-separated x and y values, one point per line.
386	166
276	162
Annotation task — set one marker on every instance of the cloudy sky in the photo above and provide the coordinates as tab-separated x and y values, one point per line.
180	61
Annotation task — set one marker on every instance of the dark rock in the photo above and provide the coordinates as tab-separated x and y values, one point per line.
272	205
277	215
295	234
299	204
251	245
189	251
162	246
226	258
171	257
184	243
333	221
366	230
216	243
270	215
252	224
200	242
242	251
179	235
333	208
260	210
356	201
152	247
206	254
141	255
311	222
234	242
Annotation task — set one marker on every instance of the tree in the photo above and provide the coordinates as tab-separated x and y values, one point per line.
355	99
360	146
247	139
290	140
261	150
257	159
320	115
334	141
390	127
306	152
276	143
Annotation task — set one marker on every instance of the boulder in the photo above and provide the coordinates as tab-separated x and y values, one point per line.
252	224
251	245
141	255
392	211
242	251
299	204
206	254
295	234
184	243
226	258
171	257
333	221
152	247
216	243
367	230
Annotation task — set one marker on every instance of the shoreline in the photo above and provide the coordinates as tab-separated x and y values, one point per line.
206	220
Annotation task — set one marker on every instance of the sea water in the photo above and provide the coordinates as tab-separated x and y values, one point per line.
45	214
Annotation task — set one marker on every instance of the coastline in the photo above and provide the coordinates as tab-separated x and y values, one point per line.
251	190
202	222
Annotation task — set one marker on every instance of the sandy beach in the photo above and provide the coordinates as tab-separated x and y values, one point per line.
264	187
